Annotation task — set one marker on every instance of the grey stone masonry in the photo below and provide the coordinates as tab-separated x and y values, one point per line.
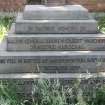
55	26
55	42
39	12
26	81
52	62
49	46
25	78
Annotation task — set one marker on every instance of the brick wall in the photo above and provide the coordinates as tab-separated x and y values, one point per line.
92	5
14	5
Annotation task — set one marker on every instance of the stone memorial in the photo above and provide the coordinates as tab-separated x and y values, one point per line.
53	42
58	39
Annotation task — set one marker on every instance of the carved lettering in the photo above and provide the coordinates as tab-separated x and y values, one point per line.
53	60
58	43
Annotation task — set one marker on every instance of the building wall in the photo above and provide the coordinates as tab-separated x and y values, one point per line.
15	5
12	5
92	5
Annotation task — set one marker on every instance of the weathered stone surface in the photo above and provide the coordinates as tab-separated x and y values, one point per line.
52	62
31	76
25	82
55	26
50	42
64	65
38	12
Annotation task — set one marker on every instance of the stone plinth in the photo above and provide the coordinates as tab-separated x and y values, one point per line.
52	62
56	42
53	43
26	81
55	26
39	12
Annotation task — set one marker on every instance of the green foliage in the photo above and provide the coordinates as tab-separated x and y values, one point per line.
8	94
99	98
101	24
5	23
49	92
46	92
4	101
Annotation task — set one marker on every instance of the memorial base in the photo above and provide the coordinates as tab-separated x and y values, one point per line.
25	82
63	44
52	62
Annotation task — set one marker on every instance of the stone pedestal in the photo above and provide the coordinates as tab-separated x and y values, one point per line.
58	42
61	39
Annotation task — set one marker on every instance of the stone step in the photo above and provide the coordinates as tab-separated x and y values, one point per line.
40	12
52	62
32	76
57	42
26	81
55	26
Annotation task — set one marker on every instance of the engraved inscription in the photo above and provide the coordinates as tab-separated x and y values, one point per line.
61	43
45	26
53	60
52	64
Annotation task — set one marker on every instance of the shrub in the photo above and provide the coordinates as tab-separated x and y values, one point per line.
49	92
101	24
5	23
8	94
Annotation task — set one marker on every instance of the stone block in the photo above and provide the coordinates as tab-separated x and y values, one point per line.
26	81
55	26
51	42
52	62
40	12
26	77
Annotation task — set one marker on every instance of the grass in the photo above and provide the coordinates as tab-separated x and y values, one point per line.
101	24
52	92
5	23
8	94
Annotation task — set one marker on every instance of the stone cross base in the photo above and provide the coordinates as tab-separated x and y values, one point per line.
53	2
